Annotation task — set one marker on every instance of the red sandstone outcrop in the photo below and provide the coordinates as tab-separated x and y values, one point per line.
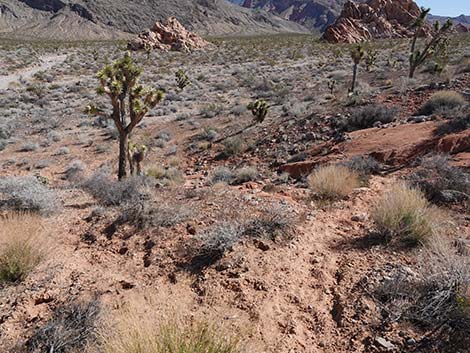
169	36
373	20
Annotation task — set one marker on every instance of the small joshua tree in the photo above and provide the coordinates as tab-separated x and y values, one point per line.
357	53
371	58
259	109
418	57
130	101
182	79
332	85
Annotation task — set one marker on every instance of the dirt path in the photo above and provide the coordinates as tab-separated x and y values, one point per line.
46	63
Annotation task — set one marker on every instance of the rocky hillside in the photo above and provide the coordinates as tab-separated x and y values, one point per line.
314	14
373	20
67	19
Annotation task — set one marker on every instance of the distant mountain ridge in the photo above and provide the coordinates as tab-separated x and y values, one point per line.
103	19
462	19
313	14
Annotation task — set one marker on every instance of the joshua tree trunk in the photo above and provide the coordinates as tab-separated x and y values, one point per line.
412	71
353	86
123	155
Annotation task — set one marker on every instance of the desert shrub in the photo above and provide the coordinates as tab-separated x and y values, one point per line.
136	329
333	182
216	241
212	110
454	125
54	136
364	166
434	293
29	147
144	214
110	192
368	116
75	170
441	102
22	247
275	221
167	176
27	193
3	144
222	175
71	328
438	179
404	215
464	66
63	151
233	146
245	174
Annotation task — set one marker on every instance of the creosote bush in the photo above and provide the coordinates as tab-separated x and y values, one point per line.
404	215
364	166
27	193
368	116
22	246
233	146
434	293
441	102
274	221
440	181
71	328
333	182
110	192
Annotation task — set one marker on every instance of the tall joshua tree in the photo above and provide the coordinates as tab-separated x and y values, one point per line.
130	101
418	57
357	53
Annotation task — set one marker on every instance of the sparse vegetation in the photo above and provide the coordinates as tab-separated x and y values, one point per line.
404	216
333	182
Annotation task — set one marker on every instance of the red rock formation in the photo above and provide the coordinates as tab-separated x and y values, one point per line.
373	20
169	36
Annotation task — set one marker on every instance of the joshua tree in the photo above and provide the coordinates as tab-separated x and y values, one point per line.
371	58
259	109
332	85
357	53
130	101
418	57
182	80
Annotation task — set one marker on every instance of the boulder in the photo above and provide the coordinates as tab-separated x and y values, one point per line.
375	19
169	36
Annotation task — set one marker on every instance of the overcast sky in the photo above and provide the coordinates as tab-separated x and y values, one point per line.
448	7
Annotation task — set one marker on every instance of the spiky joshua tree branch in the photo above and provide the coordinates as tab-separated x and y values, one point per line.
418	57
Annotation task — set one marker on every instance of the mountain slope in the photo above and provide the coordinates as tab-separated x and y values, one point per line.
314	14
92	19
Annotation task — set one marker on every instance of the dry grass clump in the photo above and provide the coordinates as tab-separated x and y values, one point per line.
405	215
442	101
133	332
333	182
22	246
